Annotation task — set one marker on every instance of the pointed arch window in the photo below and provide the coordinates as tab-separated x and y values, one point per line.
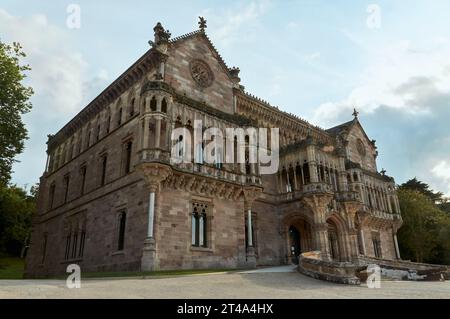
199	224
164	105
153	104
121	231
131	113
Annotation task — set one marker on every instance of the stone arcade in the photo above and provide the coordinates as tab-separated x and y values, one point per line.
110	199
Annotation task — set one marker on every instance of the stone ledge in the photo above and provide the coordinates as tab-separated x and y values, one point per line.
311	265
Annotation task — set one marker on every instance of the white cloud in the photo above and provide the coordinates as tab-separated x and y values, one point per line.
442	172
404	90
394	78
58	71
228	26
61	80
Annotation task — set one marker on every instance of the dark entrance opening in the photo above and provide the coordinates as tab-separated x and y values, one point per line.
294	236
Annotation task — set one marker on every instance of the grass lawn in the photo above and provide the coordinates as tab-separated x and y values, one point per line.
11	268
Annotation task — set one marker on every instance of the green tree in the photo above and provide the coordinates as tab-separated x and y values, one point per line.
424	235
416	185
16	210
14	102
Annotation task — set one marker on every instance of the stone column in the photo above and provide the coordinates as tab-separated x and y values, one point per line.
157	132
389	204
145	133
321	240
397	250
353	244
154	174
351	207
249	228
250	194
311	158
151	210
303	176
363	241
46	163
288	183
295	178
318	204
342	176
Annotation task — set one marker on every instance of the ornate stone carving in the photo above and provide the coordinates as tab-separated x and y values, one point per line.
154	174
202	23
201	73
250	194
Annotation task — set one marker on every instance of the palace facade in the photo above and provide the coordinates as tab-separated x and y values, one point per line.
111	199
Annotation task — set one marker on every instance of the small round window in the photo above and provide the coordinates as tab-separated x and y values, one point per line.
360	147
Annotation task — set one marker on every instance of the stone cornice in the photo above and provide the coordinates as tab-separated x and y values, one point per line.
266	111
134	73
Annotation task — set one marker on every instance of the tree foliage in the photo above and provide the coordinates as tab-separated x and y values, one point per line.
16	210
425	233
14	102
416	185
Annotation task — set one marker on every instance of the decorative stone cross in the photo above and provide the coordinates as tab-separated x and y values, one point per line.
202	23
355	112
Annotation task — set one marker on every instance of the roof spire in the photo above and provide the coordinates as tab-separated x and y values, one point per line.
202	23
355	113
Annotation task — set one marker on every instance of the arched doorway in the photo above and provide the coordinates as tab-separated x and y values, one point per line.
298	234
333	242
336	239
295	247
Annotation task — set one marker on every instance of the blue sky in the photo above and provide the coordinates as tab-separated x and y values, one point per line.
316	59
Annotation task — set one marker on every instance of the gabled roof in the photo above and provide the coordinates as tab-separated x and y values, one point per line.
201	33
336	130
344	129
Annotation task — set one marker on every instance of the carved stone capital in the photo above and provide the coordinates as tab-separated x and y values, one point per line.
154	174
317	201
250	194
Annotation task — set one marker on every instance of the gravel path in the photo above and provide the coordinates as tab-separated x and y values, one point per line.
280	283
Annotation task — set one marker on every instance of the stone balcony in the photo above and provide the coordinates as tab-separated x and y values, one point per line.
377	214
349	196
205	170
317	188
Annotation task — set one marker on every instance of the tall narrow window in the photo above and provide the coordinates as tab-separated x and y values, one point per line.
83	178
132	107
194	223
66	187
108	123
104	160
377	245
82	239
121	237
44	247
199	225
67	253
119	117
51	195
88	137
153	104
74	245
97	136
127	157
80	143
164	106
